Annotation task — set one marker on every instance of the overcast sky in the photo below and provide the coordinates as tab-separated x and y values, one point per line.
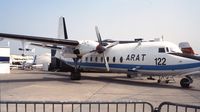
176	20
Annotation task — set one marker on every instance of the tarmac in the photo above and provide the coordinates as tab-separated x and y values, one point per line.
53	86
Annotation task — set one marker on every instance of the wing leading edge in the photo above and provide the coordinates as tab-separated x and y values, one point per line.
44	40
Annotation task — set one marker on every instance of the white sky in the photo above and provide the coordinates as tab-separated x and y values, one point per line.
176	20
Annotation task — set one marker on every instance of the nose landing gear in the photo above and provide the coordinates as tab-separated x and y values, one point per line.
185	82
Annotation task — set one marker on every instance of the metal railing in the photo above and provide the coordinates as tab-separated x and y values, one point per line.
130	106
52	106
176	107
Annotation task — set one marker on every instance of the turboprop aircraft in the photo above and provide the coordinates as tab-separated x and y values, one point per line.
151	58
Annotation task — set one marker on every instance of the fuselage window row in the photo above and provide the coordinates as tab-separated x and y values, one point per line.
102	60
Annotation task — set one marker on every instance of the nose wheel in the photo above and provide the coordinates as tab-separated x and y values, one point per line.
185	82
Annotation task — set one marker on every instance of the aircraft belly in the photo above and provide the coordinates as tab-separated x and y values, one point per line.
143	69
98	69
188	71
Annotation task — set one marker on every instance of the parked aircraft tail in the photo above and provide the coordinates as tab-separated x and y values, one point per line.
62	31
186	48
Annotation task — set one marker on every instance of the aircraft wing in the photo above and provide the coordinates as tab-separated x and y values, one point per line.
43	40
47	46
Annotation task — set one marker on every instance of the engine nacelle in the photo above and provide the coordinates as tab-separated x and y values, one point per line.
85	47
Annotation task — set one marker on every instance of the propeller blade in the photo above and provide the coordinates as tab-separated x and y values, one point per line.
106	62
98	35
112	44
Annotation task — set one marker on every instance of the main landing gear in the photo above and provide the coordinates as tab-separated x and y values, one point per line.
166	79
76	74
186	81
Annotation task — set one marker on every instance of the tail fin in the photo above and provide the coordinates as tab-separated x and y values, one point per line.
186	48
62	31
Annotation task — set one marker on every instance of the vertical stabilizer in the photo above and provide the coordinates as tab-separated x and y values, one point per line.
62	30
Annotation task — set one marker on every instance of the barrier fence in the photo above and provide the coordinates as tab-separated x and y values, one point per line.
53	106
176	107
30	106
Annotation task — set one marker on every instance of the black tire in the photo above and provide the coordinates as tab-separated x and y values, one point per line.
159	81
75	75
190	78
128	76
185	82
167	81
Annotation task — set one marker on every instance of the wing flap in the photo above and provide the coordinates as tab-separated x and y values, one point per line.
46	46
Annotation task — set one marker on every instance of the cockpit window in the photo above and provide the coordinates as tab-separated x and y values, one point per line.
161	50
167	49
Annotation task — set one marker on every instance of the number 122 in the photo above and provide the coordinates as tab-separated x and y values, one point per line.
160	61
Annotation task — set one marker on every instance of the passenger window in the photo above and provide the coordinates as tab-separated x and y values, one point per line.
161	50
121	59
107	59
91	59
113	59
101	59
86	59
96	59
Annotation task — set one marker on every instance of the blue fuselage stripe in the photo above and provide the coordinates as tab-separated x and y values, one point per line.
4	59
141	67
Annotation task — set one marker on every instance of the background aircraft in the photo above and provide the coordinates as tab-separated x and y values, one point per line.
22	61
152	58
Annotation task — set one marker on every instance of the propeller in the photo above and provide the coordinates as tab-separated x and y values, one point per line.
106	62
101	49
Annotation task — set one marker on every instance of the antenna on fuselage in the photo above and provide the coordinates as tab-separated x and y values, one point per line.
139	40
162	38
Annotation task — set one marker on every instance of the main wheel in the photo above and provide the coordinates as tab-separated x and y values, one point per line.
129	76
185	82
75	75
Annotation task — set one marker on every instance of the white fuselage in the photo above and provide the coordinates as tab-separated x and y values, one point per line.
147	58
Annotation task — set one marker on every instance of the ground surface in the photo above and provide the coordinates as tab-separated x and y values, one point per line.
42	86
